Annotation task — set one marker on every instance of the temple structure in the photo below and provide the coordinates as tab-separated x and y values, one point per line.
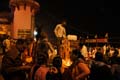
23	18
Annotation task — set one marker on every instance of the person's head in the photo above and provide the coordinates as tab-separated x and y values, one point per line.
115	54
76	54
43	35
57	62
61	51
99	56
20	44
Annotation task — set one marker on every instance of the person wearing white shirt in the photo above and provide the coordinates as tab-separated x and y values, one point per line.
60	31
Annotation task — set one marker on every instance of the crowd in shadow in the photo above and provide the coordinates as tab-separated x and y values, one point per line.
26	59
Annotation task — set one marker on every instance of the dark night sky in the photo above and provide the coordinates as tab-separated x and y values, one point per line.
83	16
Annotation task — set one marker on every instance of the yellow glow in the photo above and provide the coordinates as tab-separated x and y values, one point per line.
66	62
28	59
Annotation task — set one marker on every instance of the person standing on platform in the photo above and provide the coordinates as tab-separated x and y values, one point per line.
60	31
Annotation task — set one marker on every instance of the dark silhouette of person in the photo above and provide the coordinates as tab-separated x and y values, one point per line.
12	62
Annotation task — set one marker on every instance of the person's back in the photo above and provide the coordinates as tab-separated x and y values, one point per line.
99	69
115	68
79	69
55	69
45	46
53	74
116	73
41	72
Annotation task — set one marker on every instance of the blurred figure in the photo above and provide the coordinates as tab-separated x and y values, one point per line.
78	69
61	51
6	43
113	56
104	49
44	46
99	69
41	72
60	32
30	46
55	70
12	62
84	51
115	68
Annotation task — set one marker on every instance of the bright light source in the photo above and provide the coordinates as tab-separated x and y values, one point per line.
72	37
35	33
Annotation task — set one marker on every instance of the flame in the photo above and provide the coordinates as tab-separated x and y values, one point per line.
67	62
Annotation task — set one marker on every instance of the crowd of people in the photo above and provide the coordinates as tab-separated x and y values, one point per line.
66	64
27	59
